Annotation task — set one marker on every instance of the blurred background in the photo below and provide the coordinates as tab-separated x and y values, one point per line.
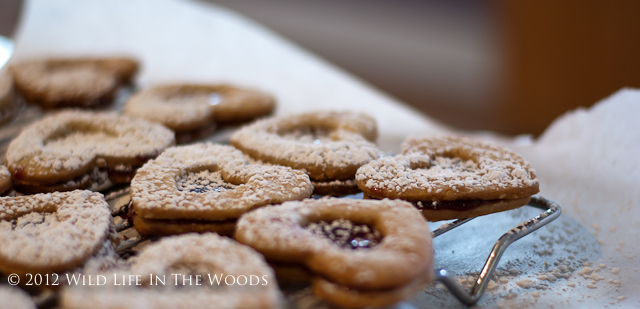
506	66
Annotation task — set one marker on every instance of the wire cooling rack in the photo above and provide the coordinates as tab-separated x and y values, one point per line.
551	212
118	198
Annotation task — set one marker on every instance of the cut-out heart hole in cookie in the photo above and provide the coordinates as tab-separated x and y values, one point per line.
446	165
204	181
346	234
309	135
79	134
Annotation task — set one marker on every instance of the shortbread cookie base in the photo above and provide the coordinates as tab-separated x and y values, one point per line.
335	187
242	106
493	207
487	208
149	227
352	298
79	297
95	180
184	137
291	272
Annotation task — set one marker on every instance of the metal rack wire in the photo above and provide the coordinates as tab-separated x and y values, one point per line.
551	212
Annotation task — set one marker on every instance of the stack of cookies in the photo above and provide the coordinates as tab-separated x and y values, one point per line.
264	207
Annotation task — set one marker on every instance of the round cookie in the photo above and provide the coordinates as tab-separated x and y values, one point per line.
15	298
191	110
64	150
361	245
79	82
8	100
329	146
206	187
53	233
451	177
192	255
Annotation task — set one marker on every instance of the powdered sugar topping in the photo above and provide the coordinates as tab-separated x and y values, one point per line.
53	231
327	145
70	140
449	168
170	186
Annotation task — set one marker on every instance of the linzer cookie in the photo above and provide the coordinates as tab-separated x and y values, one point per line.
54	232
8	101
83	82
206	187
328	146
192	110
361	252
451	177
78	150
187	271
15	298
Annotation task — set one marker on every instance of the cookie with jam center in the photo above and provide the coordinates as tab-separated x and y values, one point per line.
365	247
451	177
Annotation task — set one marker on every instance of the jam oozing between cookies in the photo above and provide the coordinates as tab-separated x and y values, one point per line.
203	181
308	135
347	234
453	205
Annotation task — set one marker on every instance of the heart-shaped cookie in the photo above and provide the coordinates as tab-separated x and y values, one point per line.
60	150
363	245
72	82
209	184
52	232
329	146
194	270
451	177
185	108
